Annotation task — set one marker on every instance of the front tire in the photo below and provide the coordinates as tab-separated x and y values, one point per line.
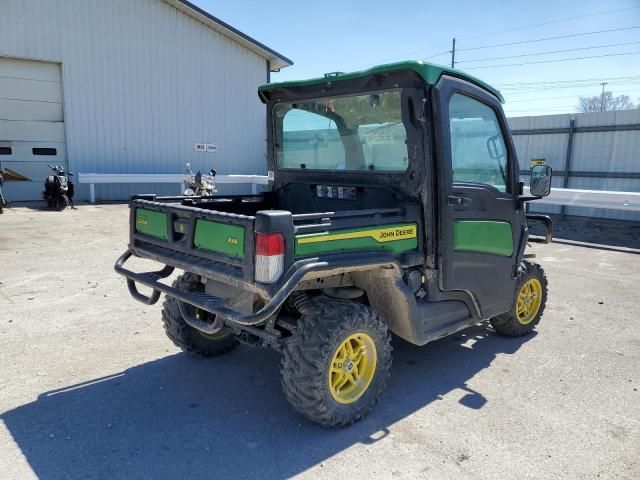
337	362
183	335
529	303
62	202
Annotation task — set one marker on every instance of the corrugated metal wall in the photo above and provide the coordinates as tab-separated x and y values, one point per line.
143	82
608	152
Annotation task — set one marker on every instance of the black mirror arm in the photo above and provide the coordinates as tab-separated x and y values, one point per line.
528	198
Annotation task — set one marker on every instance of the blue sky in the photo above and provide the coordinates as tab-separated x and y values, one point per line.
344	36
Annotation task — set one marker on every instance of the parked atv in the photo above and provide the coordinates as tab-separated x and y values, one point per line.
58	189
199	186
395	205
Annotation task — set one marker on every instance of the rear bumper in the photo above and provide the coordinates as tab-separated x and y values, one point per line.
285	286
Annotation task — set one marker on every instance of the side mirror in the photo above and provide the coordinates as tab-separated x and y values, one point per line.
540	183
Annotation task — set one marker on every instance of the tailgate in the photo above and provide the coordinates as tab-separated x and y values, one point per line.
211	243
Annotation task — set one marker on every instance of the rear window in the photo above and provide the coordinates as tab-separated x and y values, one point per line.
351	132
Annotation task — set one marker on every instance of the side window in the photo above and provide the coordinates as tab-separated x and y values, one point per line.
478	151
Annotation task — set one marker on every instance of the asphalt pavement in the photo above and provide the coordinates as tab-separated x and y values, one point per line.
90	387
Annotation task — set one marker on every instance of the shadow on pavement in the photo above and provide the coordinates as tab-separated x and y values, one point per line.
37	205
181	417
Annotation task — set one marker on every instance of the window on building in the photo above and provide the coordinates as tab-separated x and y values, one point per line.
44	151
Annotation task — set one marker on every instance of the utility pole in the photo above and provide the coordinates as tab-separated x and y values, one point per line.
453	53
602	97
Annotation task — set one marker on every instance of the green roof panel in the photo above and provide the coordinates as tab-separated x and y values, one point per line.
430	73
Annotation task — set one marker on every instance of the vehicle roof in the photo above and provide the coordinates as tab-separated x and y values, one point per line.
430	73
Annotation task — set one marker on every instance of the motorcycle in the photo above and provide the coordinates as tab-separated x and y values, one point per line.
58	189
199	185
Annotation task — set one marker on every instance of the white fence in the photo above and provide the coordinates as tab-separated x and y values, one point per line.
592	151
629	201
570	197
178	178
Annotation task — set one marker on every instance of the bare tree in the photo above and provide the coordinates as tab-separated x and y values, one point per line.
604	103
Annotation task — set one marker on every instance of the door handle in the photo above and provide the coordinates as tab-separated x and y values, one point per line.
458	200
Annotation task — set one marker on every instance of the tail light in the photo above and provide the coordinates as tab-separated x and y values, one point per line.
269	257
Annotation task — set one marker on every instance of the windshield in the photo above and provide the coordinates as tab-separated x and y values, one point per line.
353	132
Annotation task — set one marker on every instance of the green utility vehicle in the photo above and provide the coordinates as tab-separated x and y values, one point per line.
394	206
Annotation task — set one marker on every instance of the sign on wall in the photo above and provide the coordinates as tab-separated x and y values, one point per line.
205	147
536	161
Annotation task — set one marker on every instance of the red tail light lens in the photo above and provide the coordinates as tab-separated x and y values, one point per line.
269	263
269	244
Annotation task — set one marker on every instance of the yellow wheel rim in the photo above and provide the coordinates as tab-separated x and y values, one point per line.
210	336
528	301
352	368
213	336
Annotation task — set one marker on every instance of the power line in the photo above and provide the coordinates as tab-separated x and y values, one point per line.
554	61
523	91
562	20
542	99
557	107
632	77
550	52
406	54
566	84
533	90
547	38
553	87
550	109
447	52
580	87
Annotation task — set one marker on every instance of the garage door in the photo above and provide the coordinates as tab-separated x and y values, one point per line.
31	124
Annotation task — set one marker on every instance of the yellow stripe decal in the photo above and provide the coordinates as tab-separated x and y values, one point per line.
381	235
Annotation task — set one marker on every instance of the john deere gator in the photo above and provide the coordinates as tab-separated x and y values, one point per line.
394	205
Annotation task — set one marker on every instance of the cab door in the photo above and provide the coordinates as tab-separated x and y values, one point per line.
479	219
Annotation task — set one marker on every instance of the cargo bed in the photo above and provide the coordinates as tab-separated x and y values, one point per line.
208	237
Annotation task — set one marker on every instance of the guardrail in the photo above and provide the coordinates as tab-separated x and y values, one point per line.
571	197
629	201
93	178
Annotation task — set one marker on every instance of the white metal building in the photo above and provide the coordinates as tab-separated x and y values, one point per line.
127	86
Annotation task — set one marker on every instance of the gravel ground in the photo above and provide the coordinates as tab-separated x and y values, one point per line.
91	388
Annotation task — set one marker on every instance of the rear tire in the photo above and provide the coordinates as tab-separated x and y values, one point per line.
529	303
62	202
317	361
184	336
